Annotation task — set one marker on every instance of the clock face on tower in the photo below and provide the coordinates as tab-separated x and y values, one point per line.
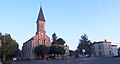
41	33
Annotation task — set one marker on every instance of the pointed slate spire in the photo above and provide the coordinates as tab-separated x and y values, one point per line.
41	15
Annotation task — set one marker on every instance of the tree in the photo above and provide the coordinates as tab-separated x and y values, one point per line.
41	50
9	47
60	50
72	53
56	50
119	51
76	53
57	46
60	41
85	44
54	37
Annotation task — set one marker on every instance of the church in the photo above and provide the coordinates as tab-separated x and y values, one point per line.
39	39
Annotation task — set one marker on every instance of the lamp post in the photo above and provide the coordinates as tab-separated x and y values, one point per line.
83	51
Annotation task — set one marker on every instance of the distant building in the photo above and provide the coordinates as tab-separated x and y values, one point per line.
114	50
102	49
66	51
39	39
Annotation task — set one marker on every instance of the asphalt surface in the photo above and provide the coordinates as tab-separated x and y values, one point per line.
95	61
103	61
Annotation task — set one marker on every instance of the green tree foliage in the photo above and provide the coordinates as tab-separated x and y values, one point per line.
85	44
57	46
54	37
57	50
72	53
9	46
61	50
60	41
7	62
53	50
119	51
41	50
76	53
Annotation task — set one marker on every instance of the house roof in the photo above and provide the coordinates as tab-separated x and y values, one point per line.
28	40
114	45
101	42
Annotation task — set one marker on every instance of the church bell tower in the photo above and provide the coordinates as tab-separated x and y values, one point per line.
40	22
41	27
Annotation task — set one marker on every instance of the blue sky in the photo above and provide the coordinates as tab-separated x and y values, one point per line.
69	19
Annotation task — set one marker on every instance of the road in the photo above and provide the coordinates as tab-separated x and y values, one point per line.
0	63
95	61
103	61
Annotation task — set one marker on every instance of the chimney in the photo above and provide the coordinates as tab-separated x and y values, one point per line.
105	40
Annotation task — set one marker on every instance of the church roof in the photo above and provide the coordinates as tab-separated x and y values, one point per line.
41	15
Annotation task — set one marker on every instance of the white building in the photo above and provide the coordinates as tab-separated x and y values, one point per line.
114	50
102	49
66	51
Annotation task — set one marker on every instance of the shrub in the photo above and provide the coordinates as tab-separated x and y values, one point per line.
6	62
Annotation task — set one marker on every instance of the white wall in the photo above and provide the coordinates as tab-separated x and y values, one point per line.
96	50
105	49
114	51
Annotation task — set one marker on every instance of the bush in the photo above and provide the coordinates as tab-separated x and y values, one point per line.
7	62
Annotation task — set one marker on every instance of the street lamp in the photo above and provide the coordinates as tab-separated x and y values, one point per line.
83	51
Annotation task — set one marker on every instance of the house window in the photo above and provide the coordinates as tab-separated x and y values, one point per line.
100	53
99	46
110	52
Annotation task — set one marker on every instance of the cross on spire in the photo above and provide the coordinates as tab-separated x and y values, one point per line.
40	4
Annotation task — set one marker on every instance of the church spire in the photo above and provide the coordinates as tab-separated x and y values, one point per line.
40	22
41	15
